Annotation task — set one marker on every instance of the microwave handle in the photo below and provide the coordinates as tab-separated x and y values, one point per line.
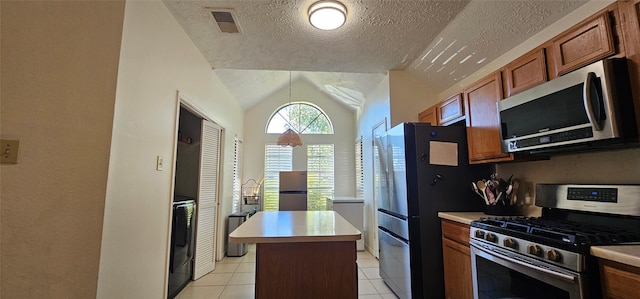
587	100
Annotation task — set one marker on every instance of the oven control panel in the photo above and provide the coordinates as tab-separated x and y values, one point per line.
593	194
563	258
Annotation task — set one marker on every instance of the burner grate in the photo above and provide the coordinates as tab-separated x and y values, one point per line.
565	231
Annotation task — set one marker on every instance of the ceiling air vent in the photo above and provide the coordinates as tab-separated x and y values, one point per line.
225	21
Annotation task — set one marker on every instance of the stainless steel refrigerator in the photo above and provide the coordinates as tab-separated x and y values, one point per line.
293	191
424	170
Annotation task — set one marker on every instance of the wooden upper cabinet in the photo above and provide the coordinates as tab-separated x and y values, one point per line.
483	127
585	43
430	115
450	110
525	72
630	27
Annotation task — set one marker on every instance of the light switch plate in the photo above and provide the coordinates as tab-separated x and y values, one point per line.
159	162
9	151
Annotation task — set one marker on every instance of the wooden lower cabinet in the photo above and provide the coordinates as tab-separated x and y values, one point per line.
619	281
458	283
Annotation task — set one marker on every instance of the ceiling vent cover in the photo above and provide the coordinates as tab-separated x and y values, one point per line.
225	21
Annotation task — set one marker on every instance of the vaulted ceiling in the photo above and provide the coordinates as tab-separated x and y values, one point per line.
439	42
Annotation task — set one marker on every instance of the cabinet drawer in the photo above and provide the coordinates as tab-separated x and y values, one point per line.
450	110
590	41
455	231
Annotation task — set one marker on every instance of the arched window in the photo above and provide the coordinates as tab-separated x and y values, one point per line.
303	118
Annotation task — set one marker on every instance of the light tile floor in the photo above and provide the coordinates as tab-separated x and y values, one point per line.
234	277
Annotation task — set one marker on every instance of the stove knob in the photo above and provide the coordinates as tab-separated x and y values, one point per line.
511	243
534	249
491	237
480	234
554	255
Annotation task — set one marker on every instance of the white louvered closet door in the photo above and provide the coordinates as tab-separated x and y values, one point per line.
207	199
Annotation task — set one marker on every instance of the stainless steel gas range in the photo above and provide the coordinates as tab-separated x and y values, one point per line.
548	256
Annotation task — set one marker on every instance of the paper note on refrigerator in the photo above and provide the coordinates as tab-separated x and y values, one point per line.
443	153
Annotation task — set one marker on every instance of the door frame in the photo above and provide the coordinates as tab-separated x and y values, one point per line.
381	125
183	101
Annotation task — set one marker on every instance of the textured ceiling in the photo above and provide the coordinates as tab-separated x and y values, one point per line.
439	42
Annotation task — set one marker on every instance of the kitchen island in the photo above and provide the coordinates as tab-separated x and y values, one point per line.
302	254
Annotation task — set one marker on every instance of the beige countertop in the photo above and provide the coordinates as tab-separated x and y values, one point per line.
624	254
295	226
462	217
467	217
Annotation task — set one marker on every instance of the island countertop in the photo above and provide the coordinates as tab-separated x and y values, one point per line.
295	226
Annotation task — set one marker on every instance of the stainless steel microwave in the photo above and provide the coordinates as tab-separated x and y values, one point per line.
589	108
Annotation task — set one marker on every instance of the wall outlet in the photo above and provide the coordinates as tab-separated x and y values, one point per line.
9	151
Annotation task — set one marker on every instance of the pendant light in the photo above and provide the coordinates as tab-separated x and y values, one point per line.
289	137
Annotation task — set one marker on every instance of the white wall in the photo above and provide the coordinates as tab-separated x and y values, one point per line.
157	59
409	97
342	118
375	110
59	70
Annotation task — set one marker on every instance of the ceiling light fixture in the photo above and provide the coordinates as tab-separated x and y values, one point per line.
290	137
327	15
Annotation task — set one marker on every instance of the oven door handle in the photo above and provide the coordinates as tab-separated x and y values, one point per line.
563	276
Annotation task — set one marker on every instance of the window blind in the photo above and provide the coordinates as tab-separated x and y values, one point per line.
277	158
320	158
359	170
237	184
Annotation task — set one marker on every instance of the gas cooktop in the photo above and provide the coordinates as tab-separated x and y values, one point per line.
569	235
574	217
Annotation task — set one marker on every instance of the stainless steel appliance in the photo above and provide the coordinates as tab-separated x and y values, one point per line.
426	170
548	256
235	220
588	108
182	244
293	191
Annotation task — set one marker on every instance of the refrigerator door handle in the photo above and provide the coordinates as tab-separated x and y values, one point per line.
394	235
396	215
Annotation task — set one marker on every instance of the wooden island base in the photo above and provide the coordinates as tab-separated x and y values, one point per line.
306	270
302	254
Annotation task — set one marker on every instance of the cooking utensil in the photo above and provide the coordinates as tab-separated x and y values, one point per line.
498	198
502	188
475	189
514	192
482	186
492	198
